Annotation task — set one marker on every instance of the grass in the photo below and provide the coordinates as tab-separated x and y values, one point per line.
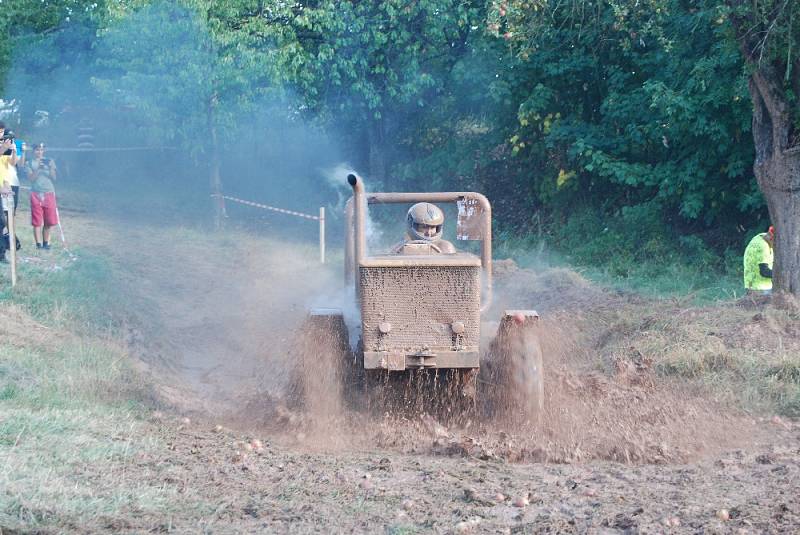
75	374
671	280
64	291
634	250
71	405
656	276
69	431
402	529
739	375
68	467
746	357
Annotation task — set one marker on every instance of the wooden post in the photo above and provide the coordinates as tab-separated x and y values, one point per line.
12	240
7	205
322	234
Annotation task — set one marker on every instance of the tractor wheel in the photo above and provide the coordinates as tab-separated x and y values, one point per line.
512	374
321	360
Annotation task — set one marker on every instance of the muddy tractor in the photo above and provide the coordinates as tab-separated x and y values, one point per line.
419	335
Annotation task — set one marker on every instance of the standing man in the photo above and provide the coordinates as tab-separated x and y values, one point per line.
3	186
21	147
758	258
7	162
44	213
13	178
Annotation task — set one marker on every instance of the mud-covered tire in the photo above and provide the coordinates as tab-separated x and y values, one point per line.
530	379
512	374
321	362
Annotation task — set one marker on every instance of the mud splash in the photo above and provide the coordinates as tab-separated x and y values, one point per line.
630	415
238	362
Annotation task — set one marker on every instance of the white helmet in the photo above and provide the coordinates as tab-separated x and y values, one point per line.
421	217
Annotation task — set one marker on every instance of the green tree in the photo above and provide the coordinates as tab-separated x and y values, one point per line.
47	45
366	68
626	112
190	69
461	142
768	33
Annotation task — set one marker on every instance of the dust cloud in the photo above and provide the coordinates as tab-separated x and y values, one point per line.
595	406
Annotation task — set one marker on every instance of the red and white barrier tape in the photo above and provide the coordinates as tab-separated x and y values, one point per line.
267	207
105	149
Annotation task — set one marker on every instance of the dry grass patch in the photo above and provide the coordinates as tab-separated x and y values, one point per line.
746	356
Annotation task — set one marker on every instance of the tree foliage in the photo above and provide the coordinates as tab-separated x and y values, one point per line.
366	67
634	113
47	45
645	102
768	32
185	67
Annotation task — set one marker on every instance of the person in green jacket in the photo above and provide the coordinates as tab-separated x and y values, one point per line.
758	262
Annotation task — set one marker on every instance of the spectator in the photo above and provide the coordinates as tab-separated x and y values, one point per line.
44	212
21	147
8	160
758	257
13	178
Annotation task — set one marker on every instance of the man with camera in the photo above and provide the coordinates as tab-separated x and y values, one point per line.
44	212
8	162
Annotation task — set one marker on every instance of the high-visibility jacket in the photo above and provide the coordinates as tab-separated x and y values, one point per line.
5	169
758	251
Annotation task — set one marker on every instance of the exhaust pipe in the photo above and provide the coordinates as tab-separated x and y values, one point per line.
359	219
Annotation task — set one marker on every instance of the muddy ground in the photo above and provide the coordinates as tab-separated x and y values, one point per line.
622	448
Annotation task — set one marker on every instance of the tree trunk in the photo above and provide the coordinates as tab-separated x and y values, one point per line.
216	186
215	179
777	169
784	210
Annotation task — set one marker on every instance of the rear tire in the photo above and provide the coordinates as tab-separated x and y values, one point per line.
512	374
321	356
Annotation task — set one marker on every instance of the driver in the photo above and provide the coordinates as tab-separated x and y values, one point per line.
425	222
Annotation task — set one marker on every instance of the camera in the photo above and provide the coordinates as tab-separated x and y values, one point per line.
6	137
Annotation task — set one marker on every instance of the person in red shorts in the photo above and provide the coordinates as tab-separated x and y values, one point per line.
44	212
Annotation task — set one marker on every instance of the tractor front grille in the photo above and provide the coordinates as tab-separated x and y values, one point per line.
420	302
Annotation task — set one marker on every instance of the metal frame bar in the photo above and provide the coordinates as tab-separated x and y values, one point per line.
355	226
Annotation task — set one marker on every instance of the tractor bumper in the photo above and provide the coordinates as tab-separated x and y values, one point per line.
400	360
